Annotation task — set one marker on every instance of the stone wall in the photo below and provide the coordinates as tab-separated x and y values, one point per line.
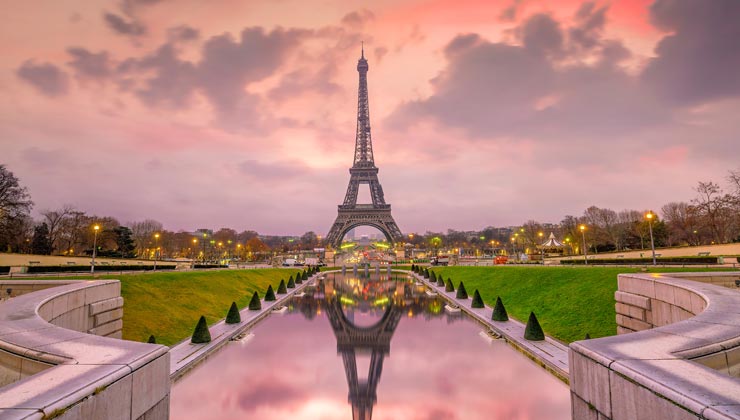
59	356
677	355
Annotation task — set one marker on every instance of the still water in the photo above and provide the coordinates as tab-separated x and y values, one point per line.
368	347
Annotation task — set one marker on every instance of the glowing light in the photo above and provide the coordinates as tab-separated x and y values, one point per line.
381	301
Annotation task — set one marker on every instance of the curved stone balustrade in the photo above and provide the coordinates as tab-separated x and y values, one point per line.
57	362
687	367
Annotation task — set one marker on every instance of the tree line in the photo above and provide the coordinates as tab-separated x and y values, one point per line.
711	217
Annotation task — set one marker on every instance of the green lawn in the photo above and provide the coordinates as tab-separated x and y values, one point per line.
568	301
168	304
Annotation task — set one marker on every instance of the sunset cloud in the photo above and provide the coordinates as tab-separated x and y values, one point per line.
237	112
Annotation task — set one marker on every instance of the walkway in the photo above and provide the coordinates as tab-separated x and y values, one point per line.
550	354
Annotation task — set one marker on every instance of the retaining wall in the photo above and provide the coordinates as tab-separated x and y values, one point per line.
677	355
59	357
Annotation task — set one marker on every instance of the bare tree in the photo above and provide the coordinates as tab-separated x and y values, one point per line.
15	206
54	219
714	208
143	233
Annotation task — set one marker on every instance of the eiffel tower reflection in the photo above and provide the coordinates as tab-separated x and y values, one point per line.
390	298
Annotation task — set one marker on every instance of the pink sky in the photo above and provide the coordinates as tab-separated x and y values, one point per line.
242	114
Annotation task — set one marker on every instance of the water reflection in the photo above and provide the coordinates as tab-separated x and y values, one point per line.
289	370
343	297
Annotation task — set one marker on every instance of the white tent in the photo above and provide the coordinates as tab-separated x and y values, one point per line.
552	242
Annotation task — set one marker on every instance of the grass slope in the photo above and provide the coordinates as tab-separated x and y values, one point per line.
569	301
168	304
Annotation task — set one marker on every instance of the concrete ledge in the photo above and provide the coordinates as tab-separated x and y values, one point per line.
682	361
51	367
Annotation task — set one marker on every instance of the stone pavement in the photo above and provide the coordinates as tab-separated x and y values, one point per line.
550	354
185	355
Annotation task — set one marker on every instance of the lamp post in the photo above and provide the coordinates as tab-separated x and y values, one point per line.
96	228
542	248
156	249
203	258
583	235
650	216
192	255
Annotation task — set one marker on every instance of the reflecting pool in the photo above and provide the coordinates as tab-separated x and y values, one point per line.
368	347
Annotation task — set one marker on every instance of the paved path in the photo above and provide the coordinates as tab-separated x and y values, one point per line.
185	355
550	354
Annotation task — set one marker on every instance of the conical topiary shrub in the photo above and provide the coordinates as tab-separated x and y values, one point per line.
433	277
533	331
477	300
255	304
499	312
298	279
269	294
461	292
426	273
440	281
201	334
587	337
413	268
233	316
449	287
281	288
151	340
291	283
305	276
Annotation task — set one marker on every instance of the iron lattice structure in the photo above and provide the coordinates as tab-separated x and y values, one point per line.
363	171
353	340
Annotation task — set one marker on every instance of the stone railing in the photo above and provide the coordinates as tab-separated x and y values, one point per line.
677	355
59	356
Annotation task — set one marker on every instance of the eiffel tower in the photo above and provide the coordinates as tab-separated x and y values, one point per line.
363	171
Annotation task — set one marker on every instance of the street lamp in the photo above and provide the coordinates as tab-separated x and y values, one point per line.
583	235
96	228
650	216
542	248
156	249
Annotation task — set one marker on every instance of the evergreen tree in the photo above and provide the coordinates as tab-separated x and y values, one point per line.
304	277
499	311
432	277
233	317
477	300
533	330
461	292
281	288
41	243
291	283
449	287
440	281
125	242
255	304
298	279
587	337
152	340
201	334
270	294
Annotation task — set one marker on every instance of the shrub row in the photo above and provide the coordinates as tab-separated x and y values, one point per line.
210	266
69	268
532	331
648	261
4	270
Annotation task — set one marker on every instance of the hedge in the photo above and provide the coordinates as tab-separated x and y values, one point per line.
4	270
70	268
648	261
